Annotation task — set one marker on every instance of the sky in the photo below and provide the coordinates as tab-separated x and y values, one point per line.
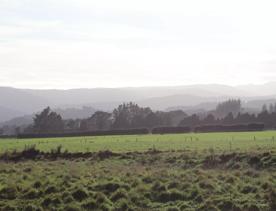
128	43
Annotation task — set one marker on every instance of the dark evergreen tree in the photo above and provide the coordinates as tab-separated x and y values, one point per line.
229	119
224	108
48	122
190	121
209	119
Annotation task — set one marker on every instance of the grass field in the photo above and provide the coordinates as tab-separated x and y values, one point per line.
199	141
209	171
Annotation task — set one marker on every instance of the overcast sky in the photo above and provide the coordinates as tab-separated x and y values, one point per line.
108	43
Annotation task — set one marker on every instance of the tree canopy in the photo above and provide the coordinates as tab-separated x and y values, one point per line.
48	121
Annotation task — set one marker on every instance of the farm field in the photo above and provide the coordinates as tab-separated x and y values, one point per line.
192	141
208	171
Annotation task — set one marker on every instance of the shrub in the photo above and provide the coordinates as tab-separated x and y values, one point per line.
90	205
175	195
173	185
122	205
163	197
46	202
31	194
32	207
51	189
230	128
209	207
8	193
272	201
193	193
185	206
173	209
67	197
86	133
168	130
106	207
29	152
158	187
37	184
206	185
249	189
80	194
251	207
56	201
226	205
119	194
147	179
100	198
138	199
71	208
109	187
10	208
56	151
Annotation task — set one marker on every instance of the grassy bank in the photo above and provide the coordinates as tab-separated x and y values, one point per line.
192	141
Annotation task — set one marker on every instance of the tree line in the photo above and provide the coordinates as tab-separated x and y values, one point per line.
227	116
129	116
266	118
125	116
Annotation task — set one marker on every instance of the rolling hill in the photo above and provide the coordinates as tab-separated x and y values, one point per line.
19	102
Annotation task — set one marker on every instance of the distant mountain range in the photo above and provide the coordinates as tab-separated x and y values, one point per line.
19	102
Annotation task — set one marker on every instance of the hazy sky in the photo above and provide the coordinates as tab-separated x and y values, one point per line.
108	43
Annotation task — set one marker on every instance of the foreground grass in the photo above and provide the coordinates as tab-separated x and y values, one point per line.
199	141
213	171
152	180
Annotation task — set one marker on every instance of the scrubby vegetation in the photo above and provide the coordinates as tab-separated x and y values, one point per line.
208	171
151	180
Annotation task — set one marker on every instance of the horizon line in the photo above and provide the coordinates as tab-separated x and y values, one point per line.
141	87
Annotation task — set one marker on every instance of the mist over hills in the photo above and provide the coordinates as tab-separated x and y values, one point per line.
66	113
19	102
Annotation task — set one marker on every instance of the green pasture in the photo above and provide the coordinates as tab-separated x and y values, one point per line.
242	141
208	176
